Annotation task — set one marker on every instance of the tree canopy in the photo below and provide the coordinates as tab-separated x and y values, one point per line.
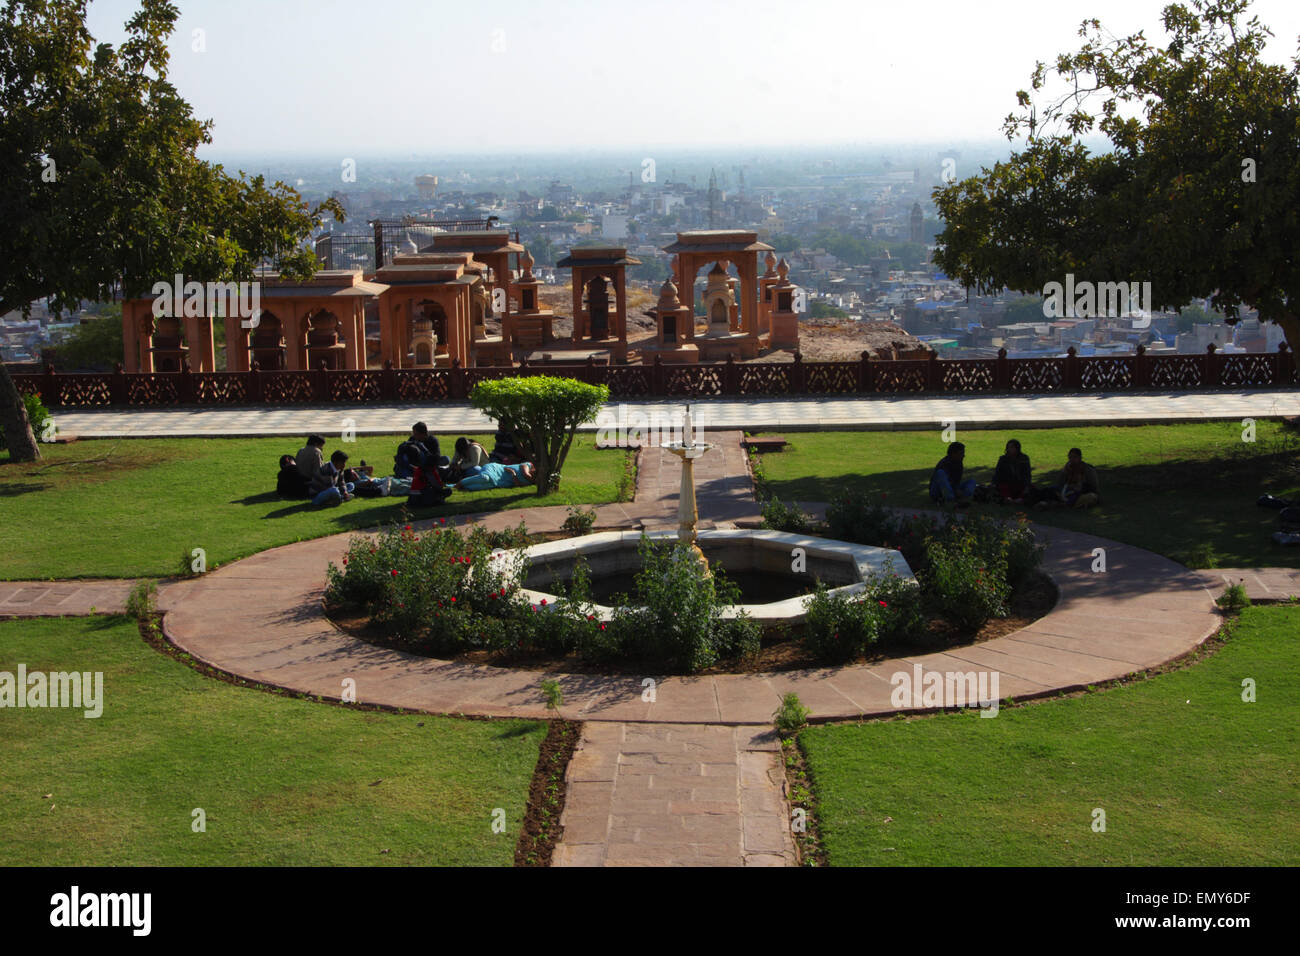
1197	193
101	191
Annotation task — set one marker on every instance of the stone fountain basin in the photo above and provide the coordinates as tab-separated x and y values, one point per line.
845	568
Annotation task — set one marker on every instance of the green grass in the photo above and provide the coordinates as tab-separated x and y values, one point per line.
155	500
282	781
1186	772
1185	491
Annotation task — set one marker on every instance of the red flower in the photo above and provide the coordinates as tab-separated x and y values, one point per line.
442	521
393	572
345	560
453	600
543	602
602	627
407	528
503	592
883	604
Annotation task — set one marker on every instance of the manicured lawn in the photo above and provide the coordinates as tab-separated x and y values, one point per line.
1186	772
155	500
1177	490
282	781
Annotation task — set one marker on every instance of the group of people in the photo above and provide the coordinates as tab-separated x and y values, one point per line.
420	471
1075	486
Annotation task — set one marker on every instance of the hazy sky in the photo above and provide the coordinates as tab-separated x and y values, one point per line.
354	78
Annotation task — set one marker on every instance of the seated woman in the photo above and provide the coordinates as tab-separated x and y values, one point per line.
496	475
1011	477
469	459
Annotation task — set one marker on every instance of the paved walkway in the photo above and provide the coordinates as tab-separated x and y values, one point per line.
1262	584
690	776
643	794
788	414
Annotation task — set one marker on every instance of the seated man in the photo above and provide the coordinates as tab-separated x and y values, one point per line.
469	459
946	482
420	449
331	487
290	483
1011	477
311	460
1077	486
496	475
427	489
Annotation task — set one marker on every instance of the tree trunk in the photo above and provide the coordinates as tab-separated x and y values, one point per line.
1291	326
13	419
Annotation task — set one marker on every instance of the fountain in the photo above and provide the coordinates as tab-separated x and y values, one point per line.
780	567
687	513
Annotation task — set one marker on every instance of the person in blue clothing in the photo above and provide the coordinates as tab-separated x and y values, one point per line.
496	475
946	482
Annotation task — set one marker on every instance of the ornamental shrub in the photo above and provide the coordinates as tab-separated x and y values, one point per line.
899	609
964	585
861	518
778	516
543	413
838	628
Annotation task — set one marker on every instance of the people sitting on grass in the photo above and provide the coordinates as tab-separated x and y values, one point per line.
1077	486
469	459
330	486
1011	477
290	483
496	475
946	484
311	459
428	489
419	450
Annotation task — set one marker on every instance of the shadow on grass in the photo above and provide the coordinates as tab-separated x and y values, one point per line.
264	498
1199	512
14	489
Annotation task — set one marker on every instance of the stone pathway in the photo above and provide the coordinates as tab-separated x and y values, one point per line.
643	794
808	413
1262	584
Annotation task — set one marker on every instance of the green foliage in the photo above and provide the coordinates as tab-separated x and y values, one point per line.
779	516
1234	597
899	609
791	716
677	614
579	522
142	602
37	416
817	309
1194	193
103	191
964	584
544	413
95	344
551	691
838	628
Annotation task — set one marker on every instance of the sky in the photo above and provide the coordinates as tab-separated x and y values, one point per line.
390	77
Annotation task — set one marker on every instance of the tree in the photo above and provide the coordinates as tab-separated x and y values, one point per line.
96	343
101	191
543	413
1196	195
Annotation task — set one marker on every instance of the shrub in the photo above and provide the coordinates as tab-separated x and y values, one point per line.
838	628
779	516
900	611
855	517
791	716
516	537
142	602
544	413
678	615
963	585
1234	597
554	696
37	415
580	521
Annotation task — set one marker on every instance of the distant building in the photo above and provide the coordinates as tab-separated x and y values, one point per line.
427	186
918	223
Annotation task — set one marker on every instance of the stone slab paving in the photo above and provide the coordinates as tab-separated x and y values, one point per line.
1262	584
790	414
645	794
